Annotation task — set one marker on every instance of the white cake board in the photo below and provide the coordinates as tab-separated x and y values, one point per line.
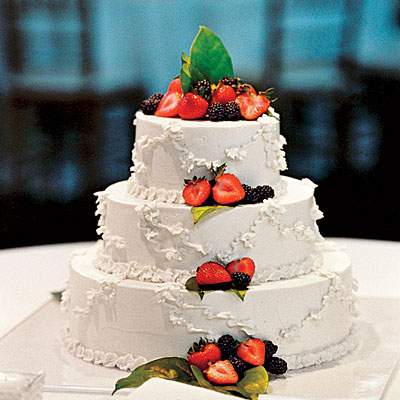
363	374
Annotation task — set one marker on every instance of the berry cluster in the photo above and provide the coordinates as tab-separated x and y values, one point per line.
236	275
224	189
225	360
229	100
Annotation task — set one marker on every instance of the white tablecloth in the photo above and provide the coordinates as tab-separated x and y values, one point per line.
29	275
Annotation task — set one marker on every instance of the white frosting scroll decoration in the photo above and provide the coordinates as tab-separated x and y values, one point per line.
273	146
336	290
171	296
152	228
98	357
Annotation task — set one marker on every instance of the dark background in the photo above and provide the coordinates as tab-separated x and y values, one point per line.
73	72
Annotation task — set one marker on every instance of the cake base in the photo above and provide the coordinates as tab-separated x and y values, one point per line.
124	323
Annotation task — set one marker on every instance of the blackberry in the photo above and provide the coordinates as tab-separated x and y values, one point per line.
232	111
276	365
202	88
226	80
238	364
264	192
250	196
149	106
240	280
270	349
227	345
216	112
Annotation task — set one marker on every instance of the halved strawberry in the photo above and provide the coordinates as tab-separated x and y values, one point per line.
222	373
252	105
212	273
223	94
252	351
209	354
192	106
245	265
196	191
169	105
227	189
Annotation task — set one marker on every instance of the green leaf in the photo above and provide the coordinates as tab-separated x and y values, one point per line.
185	78
209	58
201	212
239	293
254	381
172	368
57	295
192	286
185	59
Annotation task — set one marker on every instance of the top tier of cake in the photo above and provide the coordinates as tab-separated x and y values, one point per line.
169	150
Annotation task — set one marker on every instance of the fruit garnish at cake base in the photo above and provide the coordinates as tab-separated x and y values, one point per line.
207	89
212	276
225	365
204	353
196	191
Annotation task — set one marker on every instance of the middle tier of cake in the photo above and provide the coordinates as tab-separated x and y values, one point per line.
158	242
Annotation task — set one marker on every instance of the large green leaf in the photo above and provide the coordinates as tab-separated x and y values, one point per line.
209	58
172	368
254	381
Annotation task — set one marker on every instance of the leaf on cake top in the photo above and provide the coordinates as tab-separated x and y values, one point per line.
208	60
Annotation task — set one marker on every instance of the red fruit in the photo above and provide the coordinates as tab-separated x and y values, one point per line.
212	273
222	373
245	265
203	358
227	189
192	106
252	351
175	86
169	105
224	94
196	191
252	105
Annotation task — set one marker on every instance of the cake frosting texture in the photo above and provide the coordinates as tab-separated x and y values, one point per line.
126	300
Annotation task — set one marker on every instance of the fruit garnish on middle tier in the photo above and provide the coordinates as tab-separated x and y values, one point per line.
206	87
224	190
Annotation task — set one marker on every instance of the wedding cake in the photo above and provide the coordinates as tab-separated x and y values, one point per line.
206	188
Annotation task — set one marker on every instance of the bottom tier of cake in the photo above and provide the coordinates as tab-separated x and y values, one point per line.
124	323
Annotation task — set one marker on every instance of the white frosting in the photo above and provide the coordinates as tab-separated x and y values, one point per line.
301	315
279	234
169	150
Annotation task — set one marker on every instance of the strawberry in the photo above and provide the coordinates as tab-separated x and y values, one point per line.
196	191
222	373
206	356
169	104
245	265
175	86
212	273
192	106
252	351
227	188
223	94
252	105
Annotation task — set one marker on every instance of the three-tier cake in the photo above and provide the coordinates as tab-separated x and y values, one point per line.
127	298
